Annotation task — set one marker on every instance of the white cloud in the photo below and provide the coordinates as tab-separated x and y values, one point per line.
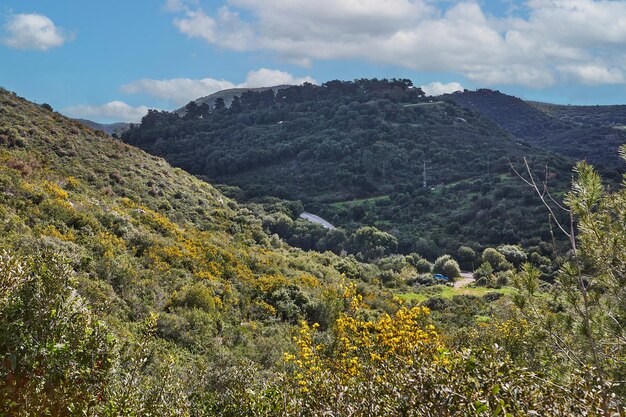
593	74
436	88
112	111
178	90
267	78
554	42
33	31
179	5
182	90
227	30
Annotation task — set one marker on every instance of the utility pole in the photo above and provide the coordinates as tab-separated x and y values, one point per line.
425	182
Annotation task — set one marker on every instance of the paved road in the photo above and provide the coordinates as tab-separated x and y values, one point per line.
466	278
316	219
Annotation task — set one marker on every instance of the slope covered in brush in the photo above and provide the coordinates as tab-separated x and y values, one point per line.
141	237
579	132
130	288
356	153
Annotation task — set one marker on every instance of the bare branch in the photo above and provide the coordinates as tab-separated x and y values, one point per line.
532	183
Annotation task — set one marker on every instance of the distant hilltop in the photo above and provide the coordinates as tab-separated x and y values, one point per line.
228	96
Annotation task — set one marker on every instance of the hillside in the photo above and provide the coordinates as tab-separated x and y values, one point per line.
129	222
142	238
228	96
607	115
110	128
354	153
578	132
131	288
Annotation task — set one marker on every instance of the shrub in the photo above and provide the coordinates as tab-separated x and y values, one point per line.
56	355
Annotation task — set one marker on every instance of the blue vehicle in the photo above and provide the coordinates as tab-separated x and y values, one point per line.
440	277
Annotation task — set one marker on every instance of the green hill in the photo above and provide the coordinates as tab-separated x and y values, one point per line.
578	132
131	288
228	96
355	153
141	238
606	115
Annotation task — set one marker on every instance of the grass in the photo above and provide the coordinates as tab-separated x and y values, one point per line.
448	292
359	202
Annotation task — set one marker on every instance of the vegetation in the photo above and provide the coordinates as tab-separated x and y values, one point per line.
354	153
130	288
579	132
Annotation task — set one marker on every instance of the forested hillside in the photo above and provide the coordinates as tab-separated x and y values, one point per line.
226	96
579	132
606	115
136	238
356	152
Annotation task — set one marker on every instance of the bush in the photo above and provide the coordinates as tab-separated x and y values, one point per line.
423	266
56	355
451	269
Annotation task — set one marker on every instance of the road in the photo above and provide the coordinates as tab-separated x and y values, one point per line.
316	219
465	279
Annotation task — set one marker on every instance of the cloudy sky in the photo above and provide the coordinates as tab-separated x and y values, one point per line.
112	60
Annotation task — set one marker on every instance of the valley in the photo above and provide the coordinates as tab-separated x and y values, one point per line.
332	208
119	267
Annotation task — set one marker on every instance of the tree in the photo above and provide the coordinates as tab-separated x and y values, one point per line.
587	329
219	104
56	356
373	243
513	253
451	269
191	110
495	259
466	257
439	262
423	266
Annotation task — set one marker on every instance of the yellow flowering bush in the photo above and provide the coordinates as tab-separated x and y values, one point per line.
399	365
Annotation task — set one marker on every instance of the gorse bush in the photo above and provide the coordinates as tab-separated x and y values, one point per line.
400	365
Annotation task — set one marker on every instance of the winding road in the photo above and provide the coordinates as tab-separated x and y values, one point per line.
316	219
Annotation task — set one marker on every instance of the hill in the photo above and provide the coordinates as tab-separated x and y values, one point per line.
607	115
578	132
109	128
228	96
139	238
355	153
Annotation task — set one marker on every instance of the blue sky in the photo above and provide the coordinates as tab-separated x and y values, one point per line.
112	60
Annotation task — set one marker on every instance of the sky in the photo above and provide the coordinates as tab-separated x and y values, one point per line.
113	60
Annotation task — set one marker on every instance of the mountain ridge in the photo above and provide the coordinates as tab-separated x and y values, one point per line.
535	124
